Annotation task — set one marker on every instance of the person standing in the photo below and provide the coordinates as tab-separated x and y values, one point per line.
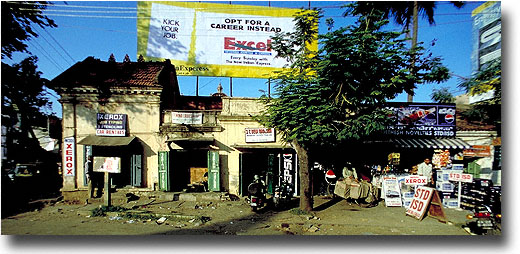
425	169
92	178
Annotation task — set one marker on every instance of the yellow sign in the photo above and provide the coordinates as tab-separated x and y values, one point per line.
203	39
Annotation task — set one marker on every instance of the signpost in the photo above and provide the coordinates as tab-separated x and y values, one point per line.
458	176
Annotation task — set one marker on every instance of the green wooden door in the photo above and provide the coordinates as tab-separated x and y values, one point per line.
136	166
164	171
213	171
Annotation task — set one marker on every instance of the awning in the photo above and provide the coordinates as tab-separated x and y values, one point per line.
93	140
438	143
193	139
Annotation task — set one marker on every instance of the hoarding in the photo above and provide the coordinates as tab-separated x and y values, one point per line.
206	39
420	202
111	125
486	39
421	120
260	135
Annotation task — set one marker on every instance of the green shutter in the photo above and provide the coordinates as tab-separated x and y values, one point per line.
164	171
213	171
136	170
270	173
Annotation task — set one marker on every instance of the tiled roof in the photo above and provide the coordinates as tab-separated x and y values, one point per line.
94	72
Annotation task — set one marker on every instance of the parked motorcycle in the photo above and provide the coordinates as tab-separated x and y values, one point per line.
282	194
486	223
256	193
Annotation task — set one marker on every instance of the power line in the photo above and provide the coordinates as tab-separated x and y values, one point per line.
50	44
38	47
67	53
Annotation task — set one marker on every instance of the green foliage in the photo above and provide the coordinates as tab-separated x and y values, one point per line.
335	95
17	21
442	95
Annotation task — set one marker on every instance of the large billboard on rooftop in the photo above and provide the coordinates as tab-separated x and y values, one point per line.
203	39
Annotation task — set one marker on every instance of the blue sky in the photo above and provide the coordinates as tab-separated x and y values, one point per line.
110	27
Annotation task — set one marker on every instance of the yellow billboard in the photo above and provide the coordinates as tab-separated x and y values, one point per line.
203	39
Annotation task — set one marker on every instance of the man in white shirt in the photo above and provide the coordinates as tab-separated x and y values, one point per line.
425	169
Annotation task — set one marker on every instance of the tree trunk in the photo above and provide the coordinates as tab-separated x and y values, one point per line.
306	200
414	39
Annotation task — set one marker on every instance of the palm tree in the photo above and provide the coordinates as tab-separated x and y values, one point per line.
404	13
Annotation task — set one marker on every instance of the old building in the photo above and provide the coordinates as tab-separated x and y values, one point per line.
133	112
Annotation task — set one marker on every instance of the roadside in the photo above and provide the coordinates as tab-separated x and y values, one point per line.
226	217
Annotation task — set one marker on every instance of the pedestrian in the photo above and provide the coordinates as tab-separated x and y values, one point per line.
93	179
425	169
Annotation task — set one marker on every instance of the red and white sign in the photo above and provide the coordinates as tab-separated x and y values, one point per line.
69	159
260	135
415	180
187	117
420	202
116	133
107	164
458	176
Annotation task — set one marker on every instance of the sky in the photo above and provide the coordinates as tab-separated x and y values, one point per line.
101	28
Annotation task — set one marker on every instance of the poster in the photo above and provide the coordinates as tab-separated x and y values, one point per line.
207	39
391	191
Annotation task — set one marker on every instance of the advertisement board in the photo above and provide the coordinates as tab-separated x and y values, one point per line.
107	164
187	117
391	191
420	202
111	124
414	180
260	135
69	156
421	120
207	39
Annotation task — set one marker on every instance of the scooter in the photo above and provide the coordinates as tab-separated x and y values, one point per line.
486	223
282	194
256	194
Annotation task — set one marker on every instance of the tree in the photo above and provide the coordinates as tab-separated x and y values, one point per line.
484	81
334	96
17	20
442	95
404	13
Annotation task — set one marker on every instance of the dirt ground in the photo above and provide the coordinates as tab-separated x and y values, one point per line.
331	217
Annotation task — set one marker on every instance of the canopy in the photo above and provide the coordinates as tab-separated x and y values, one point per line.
94	140
446	143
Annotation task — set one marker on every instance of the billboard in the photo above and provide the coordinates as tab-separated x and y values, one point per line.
203	39
422	120
111	124
486	39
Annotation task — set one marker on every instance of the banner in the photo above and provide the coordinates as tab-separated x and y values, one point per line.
422	119
203	39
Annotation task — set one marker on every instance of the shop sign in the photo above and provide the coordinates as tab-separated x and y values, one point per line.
392	192
415	180
421	120
107	164
69	160
260	135
111	125
458	176
187	117
420	202
477	151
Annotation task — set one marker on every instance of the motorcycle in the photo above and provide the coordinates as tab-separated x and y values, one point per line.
486	223
256	194
282	194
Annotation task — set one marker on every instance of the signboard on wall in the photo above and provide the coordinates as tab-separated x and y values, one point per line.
260	135
477	151
187	117
422	120
111	125
107	164
207	39
69	156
